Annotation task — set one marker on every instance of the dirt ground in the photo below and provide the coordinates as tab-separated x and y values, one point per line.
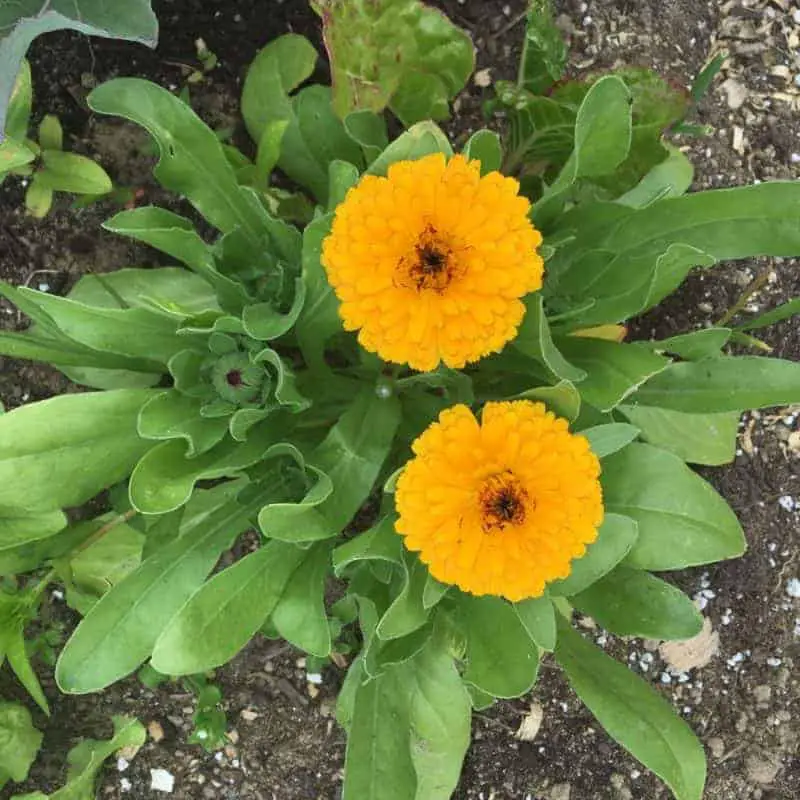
284	744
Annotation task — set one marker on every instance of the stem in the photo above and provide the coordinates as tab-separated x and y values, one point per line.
563	607
101	532
757	284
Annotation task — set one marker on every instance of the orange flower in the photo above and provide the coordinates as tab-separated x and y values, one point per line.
430	263
502	506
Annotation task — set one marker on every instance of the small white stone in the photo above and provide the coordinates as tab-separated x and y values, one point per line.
125	785
793	587
122	764
774	662
162	781
786	502
314	677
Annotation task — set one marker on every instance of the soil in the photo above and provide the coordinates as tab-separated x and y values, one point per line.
283	742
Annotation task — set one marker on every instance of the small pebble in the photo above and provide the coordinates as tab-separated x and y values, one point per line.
162	781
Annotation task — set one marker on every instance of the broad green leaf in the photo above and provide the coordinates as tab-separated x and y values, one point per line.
682	521
21	22
265	322
778	314
603	130
608	439
397	53
615	538
38	199
269	151
19	742
13	155
342	176
613	371
172	415
534	340
544	52
347	463
18	114
408	612
409	730
633	714
69	172
631	602
671	178
164	478
227	611
433	592
300	616
319	317
61	452
369	130
193	163
502	659
484	145
538	616
51	134
18	528
175	236
696	438
119	633
381	542
702	83
380	654
19	661
694	346
421	139
314	136
723	384
562	399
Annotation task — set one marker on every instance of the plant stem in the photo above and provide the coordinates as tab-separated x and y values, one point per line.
101	532
756	285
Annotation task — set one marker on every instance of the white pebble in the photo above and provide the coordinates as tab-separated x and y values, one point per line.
314	677
774	662
125	785
786	502
122	764
162	781
793	587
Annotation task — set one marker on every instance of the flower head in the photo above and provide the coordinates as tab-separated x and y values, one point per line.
502	506
430	262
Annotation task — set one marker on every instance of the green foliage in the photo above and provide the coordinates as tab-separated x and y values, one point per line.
396	53
228	398
19	743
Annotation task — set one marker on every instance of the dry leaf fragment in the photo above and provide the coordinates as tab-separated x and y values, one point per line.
691	653
530	724
155	730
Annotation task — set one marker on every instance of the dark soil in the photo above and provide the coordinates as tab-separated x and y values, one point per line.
284	743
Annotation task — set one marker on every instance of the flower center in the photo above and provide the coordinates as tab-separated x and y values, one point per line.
429	266
503	502
234	378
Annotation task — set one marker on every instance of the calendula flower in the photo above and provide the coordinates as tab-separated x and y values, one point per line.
502	506
430	262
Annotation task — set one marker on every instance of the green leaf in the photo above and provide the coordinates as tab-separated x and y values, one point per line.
682	521
484	145
193	163
534	340
407	612
702	83
119	633
22	22
69	172
61	452
778	314
341	176
397	53
227	611
616	537
630	602
544	52
723	384
319	317
19	661
369	130
502	659
51	135
603	130
38	199
19	742
300	616
347	463
18	528
562	399
694	346
633	714
613	371
314	136
13	155
538	616
269	151
670	178
19	108
608	439
697	438
381	542
164	478
409	730
265	322
421	139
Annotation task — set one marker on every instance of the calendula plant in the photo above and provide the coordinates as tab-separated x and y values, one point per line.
415	384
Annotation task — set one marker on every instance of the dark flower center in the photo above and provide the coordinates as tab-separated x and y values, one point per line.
430	265
234	378
503	501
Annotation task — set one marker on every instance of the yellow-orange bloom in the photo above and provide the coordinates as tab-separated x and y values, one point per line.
502	506
430	262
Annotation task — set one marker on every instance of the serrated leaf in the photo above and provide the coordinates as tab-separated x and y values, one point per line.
633	714
682	521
